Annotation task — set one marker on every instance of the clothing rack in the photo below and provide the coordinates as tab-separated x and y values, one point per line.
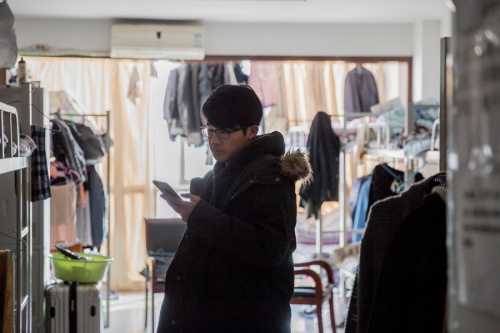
107	144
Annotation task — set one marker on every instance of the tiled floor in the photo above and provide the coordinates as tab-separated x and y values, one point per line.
127	316
127	313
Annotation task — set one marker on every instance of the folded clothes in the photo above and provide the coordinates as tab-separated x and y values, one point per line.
26	145
5	140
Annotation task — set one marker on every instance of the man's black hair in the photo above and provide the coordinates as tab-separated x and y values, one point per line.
232	107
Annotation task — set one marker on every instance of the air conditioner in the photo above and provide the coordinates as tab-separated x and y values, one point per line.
157	41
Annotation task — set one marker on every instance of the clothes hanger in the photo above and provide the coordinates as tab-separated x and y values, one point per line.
386	167
359	67
68	171
52	130
401	187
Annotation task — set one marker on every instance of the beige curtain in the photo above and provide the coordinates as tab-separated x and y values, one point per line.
100	85
306	87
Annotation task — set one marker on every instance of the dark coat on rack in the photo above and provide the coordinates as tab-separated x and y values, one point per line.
385	218
411	290
233	271
66	150
323	146
385	182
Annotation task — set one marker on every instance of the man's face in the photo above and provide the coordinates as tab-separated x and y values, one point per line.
225	150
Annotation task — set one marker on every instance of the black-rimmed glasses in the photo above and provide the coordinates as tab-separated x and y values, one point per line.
221	134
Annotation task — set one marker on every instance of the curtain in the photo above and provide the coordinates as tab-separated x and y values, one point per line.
308	87
123	87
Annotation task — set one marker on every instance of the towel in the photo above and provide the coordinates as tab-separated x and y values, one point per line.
6	292
40	180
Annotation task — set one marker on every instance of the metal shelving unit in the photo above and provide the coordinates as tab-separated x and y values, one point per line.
16	227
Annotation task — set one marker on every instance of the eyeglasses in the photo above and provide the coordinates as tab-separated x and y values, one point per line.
221	134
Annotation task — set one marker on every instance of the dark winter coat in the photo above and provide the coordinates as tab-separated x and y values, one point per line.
324	149
233	271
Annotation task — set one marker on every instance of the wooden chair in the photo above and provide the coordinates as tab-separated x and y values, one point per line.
318	294
162	240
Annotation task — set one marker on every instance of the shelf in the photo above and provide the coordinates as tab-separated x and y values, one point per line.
12	164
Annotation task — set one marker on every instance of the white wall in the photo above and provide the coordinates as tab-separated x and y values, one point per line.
426	56
310	39
420	40
238	39
63	33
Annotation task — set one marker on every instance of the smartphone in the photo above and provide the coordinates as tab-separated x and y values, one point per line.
165	188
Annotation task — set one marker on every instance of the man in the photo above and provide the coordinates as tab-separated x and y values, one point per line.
233	271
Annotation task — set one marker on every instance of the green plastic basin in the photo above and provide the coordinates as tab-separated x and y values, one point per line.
71	270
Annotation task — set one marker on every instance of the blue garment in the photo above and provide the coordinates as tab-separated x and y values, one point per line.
361	208
353	197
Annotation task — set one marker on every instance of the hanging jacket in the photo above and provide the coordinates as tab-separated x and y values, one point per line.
384	219
360	91
66	149
385	183
170	109
91	143
412	281
324	149
233	271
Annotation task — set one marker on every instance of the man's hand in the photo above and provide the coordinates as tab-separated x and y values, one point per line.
183	208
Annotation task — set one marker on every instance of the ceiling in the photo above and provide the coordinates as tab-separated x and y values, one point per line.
251	11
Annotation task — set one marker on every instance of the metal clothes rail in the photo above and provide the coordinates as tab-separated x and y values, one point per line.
107	144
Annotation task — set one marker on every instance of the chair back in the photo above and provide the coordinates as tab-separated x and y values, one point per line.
163	235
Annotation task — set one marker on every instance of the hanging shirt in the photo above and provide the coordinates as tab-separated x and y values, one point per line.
262	79
360	91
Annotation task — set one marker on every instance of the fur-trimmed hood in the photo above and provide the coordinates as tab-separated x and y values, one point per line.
295	165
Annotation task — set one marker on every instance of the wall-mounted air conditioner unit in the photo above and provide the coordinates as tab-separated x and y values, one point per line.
157	41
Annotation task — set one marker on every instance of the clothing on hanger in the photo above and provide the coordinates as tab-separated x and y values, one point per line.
410	292
40	178
360	91
66	149
324	149
384	220
359	221
97	202
91	143
385	183
354	195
